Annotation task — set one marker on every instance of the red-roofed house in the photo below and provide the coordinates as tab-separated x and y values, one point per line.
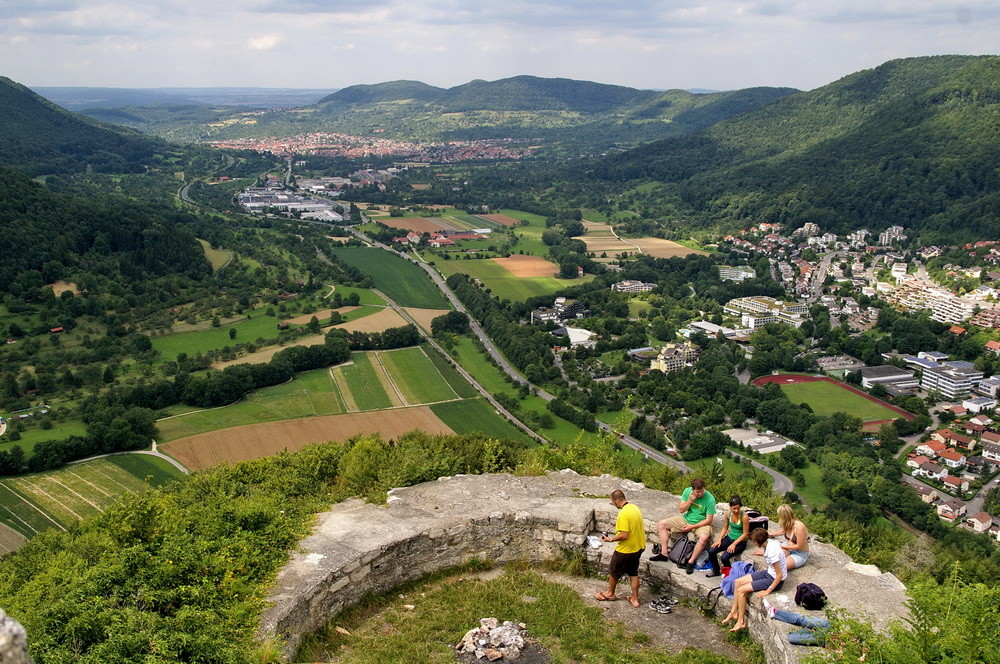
993	347
957	330
916	460
956	484
962	442
932	447
959	410
990	437
952	459
981	419
979	523
942	435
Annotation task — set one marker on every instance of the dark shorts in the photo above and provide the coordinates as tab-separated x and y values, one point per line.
624	563
762	580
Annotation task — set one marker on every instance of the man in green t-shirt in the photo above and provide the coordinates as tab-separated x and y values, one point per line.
697	510
631	537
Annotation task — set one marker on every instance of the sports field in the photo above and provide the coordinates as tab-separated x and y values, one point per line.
503	283
398	278
826	396
373	380
30	504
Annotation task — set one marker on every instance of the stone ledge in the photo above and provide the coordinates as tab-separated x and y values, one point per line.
357	548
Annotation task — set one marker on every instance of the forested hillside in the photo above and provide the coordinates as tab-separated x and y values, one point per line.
41	138
912	142
123	241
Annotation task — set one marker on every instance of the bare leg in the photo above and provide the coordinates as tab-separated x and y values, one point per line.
663	530
634	583
699	546
609	594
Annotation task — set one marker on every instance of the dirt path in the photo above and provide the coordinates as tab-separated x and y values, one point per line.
350	405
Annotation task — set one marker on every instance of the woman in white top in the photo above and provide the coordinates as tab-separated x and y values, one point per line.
765	581
796	535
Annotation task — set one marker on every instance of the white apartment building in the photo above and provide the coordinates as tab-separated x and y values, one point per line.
759	310
632	286
738	273
952	380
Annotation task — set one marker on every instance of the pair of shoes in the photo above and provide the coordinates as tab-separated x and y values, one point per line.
769	608
658	558
661	605
689	568
669	601
711	574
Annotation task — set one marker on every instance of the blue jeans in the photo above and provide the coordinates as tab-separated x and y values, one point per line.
717	555
814	632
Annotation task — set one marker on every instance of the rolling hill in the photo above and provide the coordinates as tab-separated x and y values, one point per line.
42	138
913	142
576	114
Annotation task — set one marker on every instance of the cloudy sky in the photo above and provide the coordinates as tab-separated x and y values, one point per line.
718	44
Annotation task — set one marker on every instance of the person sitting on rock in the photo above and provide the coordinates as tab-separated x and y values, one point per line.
732	538
697	510
796	535
630	533
765	581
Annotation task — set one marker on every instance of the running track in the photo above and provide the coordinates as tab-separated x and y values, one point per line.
785	379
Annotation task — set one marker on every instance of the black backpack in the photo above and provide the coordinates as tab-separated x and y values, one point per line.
681	550
810	596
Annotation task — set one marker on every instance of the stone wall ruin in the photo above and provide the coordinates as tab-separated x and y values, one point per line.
357	548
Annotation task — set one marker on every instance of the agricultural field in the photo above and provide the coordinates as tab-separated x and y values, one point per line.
258	326
423	317
400	279
32	435
503	283
600	238
476	416
30	504
255	441
373	380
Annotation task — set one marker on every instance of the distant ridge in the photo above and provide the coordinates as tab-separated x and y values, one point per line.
914	141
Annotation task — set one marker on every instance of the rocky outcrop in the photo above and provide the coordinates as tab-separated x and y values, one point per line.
13	641
357	548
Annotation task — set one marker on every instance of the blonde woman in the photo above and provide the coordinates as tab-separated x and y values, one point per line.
796	534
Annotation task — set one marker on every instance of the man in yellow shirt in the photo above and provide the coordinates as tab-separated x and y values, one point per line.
631	537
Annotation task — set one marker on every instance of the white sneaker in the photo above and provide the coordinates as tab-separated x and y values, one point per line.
769	608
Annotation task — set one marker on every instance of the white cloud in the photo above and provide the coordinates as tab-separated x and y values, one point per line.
264	42
644	43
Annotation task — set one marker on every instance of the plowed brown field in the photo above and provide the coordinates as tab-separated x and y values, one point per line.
425	316
265	355
527	266
255	441
501	219
377	322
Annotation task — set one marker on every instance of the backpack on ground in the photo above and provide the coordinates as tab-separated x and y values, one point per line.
756	520
740	568
810	596
681	551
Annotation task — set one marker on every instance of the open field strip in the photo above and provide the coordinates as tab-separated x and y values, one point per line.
364	384
22	514
378	321
390	387
423	317
343	391
320	315
416	376
40	496
503	283
10	539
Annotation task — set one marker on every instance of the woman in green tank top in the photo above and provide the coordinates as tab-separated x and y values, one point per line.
732	538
